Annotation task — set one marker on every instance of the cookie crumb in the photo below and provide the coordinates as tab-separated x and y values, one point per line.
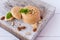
12	23
35	26
40	21
3	17
28	33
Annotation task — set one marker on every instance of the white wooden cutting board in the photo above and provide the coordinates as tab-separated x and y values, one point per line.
49	13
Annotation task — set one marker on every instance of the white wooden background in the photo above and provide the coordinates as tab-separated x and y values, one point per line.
50	32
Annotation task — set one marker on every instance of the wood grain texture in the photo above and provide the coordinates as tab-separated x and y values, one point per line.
12	31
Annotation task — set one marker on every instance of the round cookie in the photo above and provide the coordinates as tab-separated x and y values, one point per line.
15	12
33	16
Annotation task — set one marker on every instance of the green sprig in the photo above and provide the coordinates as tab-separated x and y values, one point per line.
8	15
24	10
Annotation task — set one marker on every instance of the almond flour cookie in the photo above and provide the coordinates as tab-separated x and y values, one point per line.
15	12
32	15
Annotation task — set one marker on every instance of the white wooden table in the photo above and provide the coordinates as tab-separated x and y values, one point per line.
50	32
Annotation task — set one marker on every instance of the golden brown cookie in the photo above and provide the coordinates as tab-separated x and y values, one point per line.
31	17
15	12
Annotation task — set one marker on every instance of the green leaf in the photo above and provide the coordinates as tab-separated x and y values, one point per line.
8	15
24	10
